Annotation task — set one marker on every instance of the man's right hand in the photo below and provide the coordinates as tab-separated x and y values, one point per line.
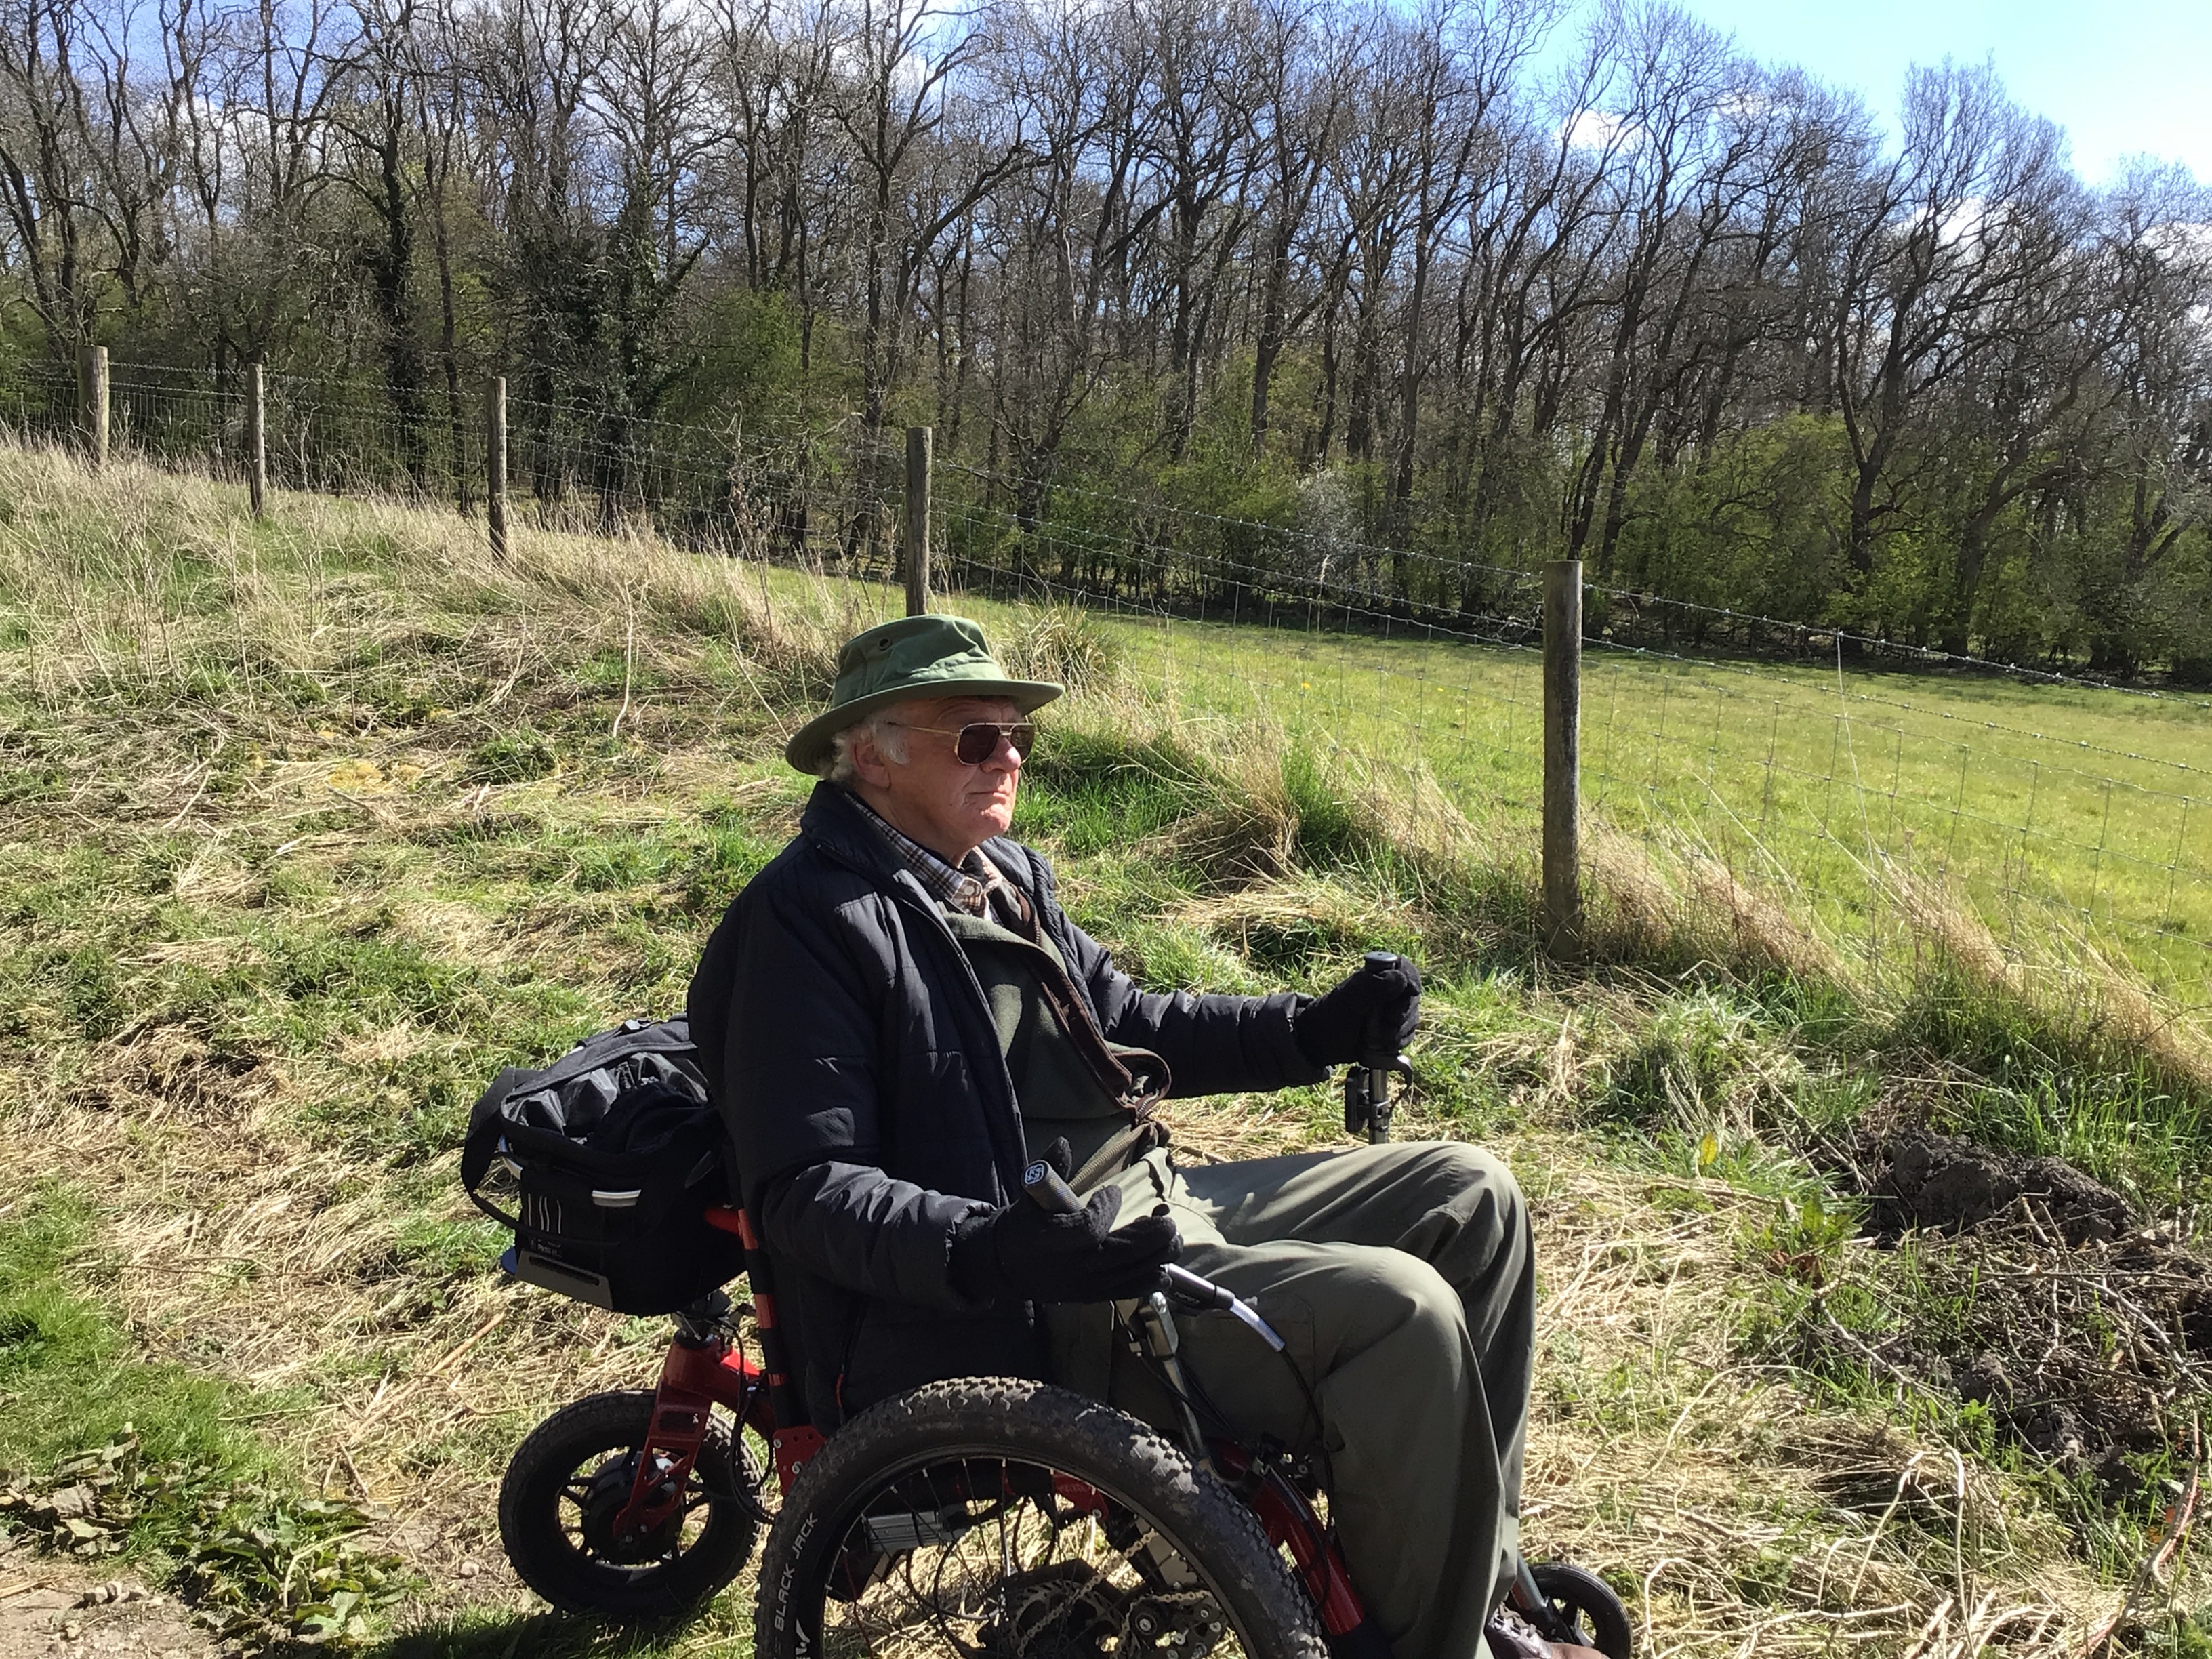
1025	1252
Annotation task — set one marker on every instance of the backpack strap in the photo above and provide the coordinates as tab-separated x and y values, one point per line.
1128	1143
475	1165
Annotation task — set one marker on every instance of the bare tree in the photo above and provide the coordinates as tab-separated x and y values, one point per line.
44	133
1679	313
1303	86
904	98
1938	253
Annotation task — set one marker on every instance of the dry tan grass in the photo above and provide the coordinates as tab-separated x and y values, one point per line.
1302	905
1751	1520
1754	1521
1248	835
1680	901
106	613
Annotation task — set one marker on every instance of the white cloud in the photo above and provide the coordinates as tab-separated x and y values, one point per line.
1594	129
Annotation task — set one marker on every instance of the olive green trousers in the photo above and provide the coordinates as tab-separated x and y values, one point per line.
1403	1279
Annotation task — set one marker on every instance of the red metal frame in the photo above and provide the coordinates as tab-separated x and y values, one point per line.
694	1377
699	1374
1287	1517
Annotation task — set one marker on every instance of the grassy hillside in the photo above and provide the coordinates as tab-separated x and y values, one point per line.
308	827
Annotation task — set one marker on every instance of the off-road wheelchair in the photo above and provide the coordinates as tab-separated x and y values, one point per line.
980	1517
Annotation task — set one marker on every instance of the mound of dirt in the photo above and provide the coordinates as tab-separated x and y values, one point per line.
2086	1335
1916	1178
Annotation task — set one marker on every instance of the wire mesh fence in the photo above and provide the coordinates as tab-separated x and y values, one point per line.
1829	787
571	466
1834	770
1819	766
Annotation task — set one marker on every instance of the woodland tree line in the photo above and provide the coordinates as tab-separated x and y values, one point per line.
1431	286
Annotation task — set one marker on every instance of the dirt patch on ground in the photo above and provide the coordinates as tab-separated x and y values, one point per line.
51	1606
1919	1179
2087	1335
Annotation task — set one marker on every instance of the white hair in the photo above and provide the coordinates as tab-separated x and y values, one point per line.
888	737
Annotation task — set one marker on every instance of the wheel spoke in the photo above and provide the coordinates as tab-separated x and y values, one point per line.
982	1574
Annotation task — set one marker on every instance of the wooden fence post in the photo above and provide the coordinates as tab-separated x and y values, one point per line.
1563	692
256	440
91	401
495	462
919	440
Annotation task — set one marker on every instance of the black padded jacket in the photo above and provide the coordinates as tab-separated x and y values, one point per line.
849	1044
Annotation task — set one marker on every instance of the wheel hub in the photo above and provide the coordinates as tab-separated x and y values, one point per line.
603	1502
1066	1610
1185	1625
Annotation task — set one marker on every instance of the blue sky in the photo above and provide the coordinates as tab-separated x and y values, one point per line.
2123	77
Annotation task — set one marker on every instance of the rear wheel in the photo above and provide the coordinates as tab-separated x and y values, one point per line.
571	1480
990	1518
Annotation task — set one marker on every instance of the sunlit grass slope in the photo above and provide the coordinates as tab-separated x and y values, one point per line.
2056	815
309	827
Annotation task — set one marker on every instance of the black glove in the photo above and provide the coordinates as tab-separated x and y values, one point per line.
1333	1030
1025	1253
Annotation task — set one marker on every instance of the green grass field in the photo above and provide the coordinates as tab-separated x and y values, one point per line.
309	827
2046	809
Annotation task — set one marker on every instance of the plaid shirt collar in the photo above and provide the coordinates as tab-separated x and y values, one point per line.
969	888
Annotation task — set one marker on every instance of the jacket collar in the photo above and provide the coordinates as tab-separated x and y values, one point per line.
839	825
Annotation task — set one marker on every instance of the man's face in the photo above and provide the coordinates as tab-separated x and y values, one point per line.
948	806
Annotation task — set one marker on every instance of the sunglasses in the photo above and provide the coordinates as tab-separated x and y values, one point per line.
977	741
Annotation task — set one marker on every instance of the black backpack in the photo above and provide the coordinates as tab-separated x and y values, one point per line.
616	1153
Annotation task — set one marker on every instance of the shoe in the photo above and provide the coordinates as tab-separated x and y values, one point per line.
1512	1637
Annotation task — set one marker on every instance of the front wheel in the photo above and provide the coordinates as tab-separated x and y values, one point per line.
993	1518
1584	1608
568	1483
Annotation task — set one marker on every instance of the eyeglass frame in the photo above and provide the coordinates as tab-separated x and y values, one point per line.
1002	732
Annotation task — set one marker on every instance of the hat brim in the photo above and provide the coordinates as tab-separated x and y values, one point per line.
810	745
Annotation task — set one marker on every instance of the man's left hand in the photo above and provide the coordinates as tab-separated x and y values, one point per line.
1333	1028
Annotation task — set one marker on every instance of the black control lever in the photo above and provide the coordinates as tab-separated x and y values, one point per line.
1368	1101
1049	1190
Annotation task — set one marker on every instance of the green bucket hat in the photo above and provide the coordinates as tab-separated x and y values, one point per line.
914	657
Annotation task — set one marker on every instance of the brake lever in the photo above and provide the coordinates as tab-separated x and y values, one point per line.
1192	1291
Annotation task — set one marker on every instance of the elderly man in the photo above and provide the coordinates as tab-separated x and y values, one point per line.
896	1016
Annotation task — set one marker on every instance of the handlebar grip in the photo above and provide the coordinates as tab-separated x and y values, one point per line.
1380	1040
1048	1190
